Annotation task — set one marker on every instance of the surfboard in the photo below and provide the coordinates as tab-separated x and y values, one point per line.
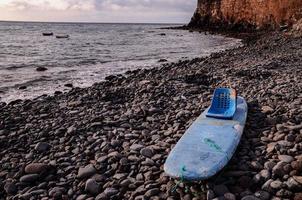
207	146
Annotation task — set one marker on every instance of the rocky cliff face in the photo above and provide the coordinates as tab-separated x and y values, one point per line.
247	13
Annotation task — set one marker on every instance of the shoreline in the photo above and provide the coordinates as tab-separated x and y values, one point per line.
246	35
110	140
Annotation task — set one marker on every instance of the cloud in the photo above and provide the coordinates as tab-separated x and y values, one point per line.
60	5
98	10
176	5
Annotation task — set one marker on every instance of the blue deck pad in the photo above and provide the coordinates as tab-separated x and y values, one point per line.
223	104
207	146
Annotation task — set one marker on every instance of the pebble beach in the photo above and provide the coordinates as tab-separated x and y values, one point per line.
110	140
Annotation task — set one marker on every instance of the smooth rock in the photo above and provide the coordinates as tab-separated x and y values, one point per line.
10	188
36	168
147	152
285	158
292	184
229	196
263	195
220	190
29	178
136	147
86	172
276	184
152	192
267	109
42	147
110	192
250	197
92	187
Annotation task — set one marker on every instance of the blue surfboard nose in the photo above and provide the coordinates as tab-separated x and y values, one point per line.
223	104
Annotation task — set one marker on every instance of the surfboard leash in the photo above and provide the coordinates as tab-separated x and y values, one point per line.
182	180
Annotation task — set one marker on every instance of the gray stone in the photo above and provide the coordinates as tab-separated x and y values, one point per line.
263	195
267	109
42	147
220	190
278	169
265	174
86	172
292	184
110	192
136	147
298	179
269	165
56	192
10	188
25	196
210	195
102	196
152	192
229	196
36	168
276	184
271	147
267	185
285	158
92	187
29	178
250	197
147	152
81	197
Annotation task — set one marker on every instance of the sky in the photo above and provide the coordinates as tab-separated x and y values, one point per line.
136	11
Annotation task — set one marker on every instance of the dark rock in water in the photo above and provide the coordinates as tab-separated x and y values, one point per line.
62	36
23	87
41	69
58	92
162	60
68	85
162	34
47	34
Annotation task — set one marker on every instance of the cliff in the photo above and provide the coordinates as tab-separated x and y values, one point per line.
247	13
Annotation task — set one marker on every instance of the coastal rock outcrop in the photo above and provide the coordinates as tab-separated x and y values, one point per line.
247	13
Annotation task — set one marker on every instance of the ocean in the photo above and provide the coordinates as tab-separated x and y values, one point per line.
92	52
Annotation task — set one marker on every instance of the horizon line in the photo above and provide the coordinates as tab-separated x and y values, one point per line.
82	22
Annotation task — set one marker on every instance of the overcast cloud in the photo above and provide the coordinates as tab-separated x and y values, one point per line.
170	11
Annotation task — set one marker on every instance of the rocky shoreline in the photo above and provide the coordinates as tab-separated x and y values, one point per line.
110	141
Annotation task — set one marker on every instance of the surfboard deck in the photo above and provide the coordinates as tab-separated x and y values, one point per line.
207	146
